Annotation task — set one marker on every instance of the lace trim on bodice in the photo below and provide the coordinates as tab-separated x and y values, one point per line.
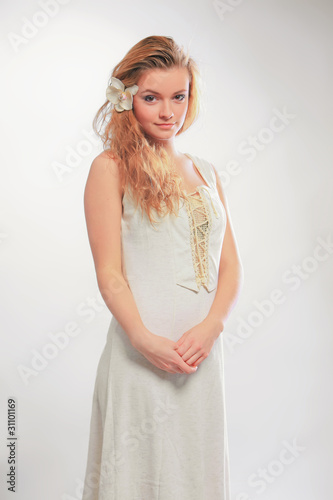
200	225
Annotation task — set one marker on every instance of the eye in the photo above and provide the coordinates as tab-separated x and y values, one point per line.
146	98
178	97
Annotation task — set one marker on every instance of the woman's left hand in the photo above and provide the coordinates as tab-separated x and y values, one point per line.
196	343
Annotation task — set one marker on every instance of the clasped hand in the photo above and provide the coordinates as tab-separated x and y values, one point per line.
195	345
186	354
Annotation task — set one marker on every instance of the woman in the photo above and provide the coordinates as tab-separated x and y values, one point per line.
169	270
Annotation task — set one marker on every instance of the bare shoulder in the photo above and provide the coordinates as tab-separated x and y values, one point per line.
103	176
106	164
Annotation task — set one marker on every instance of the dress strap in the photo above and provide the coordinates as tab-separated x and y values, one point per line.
211	200
207	172
205	168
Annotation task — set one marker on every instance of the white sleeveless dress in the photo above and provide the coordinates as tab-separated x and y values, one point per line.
156	435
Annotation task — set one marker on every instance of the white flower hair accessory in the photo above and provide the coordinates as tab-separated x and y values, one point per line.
120	96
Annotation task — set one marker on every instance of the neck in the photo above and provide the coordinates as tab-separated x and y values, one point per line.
169	146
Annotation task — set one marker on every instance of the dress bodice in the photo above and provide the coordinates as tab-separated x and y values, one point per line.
184	248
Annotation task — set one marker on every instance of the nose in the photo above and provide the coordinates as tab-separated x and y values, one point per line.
166	110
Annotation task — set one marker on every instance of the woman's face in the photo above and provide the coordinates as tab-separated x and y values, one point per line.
162	99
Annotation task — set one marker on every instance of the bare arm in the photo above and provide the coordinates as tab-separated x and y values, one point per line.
103	209
230	272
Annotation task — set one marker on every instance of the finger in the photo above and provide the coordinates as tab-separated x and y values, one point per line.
192	355
187	368
200	360
189	352
165	366
180	341
183	349
171	368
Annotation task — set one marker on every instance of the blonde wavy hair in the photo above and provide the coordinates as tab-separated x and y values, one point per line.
145	168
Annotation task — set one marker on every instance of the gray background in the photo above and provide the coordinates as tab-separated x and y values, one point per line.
259	60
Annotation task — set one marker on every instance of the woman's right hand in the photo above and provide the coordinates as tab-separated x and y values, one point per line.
161	352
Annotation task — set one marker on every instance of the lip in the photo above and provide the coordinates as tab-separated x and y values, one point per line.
165	125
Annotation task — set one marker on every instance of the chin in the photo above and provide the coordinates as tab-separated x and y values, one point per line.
164	135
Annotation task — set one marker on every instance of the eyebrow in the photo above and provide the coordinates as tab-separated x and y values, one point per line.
157	93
